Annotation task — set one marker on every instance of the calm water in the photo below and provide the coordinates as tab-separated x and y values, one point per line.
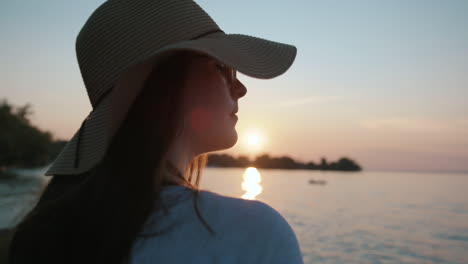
366	217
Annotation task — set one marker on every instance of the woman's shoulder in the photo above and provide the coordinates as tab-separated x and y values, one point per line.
227	208
256	213
225	202
252	230
263	227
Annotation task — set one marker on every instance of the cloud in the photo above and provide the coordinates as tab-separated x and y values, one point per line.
418	125
309	100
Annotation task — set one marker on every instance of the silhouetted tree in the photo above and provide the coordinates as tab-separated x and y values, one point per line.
21	143
311	166
262	161
244	161
323	164
284	163
347	165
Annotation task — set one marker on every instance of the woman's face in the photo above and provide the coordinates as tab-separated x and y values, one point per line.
211	94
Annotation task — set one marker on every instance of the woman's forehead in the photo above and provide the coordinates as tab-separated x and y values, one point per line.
208	57
204	56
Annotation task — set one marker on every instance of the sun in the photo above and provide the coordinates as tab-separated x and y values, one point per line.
252	139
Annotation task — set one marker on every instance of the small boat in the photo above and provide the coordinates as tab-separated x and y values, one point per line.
321	182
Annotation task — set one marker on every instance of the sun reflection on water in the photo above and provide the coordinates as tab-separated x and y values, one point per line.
251	184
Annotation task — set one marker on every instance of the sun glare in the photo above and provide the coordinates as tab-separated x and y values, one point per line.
251	184
252	139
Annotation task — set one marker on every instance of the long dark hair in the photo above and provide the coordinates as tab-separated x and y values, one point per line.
96	216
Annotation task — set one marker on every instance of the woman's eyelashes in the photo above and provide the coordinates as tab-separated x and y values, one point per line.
221	69
227	73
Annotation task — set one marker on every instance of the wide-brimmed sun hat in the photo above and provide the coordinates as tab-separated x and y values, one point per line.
120	43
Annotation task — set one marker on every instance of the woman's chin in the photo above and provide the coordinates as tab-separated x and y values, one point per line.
233	139
228	141
217	140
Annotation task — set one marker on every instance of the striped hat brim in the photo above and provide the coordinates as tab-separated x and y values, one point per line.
252	56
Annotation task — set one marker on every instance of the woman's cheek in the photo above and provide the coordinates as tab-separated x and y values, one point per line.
200	119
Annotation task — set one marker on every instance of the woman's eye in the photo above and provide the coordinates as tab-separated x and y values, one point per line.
220	67
226	73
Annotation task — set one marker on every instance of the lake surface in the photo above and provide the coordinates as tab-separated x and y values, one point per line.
364	217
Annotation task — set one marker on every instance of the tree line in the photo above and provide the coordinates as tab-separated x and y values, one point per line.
21	143
284	162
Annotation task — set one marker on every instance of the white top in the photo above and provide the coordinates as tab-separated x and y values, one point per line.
247	231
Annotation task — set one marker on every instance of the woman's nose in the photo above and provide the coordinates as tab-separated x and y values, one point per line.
239	90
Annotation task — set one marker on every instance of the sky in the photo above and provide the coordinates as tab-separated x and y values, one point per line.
384	83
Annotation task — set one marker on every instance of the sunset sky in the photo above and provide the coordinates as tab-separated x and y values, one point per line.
382	82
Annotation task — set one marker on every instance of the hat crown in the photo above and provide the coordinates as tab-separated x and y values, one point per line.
120	33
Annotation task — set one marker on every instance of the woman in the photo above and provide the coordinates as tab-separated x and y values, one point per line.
161	77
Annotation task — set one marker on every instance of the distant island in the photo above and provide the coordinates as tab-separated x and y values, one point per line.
266	162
